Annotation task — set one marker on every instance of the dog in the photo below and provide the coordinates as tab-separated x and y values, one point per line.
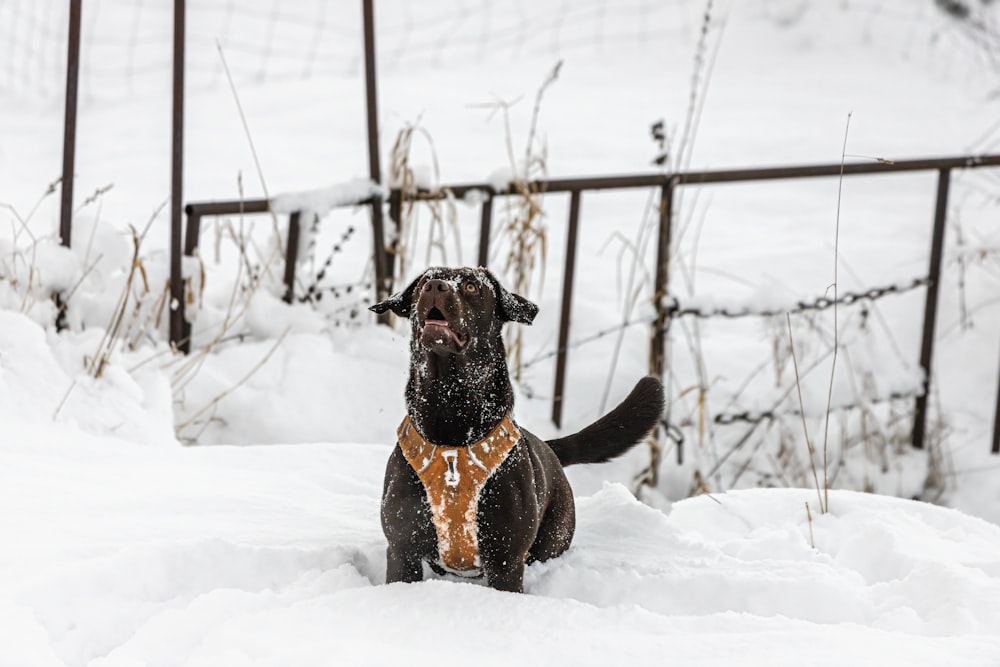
466	489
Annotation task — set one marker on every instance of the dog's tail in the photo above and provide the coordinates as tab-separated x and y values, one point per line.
616	432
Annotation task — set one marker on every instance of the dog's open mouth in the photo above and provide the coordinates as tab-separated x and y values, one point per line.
437	329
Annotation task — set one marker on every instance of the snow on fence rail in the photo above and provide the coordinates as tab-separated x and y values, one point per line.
666	307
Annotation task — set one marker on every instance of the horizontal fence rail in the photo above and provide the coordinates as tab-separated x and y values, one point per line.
665	307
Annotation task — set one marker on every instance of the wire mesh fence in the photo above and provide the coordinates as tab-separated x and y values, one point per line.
127	43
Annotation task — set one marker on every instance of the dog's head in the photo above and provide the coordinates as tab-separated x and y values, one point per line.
452	310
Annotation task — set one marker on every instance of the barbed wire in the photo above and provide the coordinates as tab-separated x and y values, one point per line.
676	309
597	335
817	304
760	416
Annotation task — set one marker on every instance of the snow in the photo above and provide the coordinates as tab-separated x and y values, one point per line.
320	202
273	555
499	179
126	540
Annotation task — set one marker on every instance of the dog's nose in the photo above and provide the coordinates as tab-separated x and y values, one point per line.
436	285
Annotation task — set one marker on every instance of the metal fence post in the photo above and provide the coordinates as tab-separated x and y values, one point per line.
657	345
380	259
292	255
177	319
192	234
396	202
996	424
69	126
567	298
485	225
930	306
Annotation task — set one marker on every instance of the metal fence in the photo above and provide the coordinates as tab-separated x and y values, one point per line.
666	308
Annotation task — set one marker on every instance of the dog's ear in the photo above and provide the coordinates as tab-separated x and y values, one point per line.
511	307
399	303
515	308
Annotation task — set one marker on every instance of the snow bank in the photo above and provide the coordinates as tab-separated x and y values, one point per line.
42	379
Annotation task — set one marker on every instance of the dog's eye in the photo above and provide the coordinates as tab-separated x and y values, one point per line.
471	288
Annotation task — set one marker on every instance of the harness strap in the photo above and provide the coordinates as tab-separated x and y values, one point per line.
453	478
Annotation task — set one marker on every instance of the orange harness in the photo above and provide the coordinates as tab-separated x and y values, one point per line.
453	478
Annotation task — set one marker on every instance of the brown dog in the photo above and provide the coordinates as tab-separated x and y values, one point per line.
466	489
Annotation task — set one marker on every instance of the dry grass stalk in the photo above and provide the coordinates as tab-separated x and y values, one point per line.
836	321
250	278
215	401
701	76
253	148
121	323
443	213
239	303
95	196
809	518
674	155
524	232
17	254
820	491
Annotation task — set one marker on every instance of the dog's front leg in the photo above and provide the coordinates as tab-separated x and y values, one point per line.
508	518
505	573
401	565
406	522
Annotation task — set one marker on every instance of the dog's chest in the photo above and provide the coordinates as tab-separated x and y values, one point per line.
453	479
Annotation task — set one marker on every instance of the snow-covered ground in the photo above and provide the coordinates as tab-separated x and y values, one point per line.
117	555
119	546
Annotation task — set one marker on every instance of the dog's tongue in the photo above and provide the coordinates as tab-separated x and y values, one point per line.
443	325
